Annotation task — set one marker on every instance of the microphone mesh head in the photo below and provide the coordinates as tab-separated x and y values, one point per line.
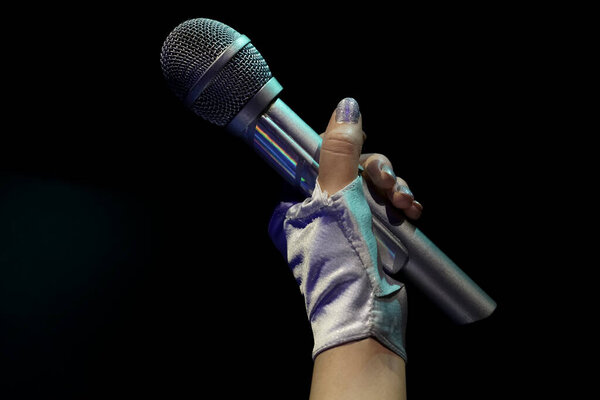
191	48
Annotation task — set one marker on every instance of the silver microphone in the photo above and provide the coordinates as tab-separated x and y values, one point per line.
220	76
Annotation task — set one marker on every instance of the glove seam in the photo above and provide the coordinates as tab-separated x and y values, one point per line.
348	234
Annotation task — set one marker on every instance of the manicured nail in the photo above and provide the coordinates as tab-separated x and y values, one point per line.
417	205
403	189
388	170
347	111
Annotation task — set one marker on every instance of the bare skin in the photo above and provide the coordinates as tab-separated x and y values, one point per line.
358	370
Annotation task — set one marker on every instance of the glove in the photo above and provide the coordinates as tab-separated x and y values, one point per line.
332	252
331	249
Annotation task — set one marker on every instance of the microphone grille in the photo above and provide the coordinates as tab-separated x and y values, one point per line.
191	48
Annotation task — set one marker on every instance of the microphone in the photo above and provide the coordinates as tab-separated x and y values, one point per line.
220	76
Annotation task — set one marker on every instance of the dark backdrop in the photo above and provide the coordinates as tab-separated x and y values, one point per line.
134	256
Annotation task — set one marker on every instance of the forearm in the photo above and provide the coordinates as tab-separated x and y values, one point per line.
358	370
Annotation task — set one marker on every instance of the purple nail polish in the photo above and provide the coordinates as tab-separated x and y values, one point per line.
347	111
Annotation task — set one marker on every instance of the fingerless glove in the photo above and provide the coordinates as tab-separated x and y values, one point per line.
331	249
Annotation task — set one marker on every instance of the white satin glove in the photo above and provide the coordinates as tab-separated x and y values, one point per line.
332	253
330	246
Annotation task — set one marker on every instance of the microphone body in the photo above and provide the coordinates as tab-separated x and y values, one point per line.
292	147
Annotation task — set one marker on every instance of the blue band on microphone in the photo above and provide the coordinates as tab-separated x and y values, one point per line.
208	75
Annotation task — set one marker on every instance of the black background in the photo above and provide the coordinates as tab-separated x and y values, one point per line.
134	256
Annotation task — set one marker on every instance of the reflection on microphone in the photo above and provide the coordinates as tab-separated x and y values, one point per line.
290	160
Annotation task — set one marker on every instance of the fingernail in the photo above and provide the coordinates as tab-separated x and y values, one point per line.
403	189
388	170
347	111
417	205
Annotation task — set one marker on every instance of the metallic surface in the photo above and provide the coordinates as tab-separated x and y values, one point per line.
242	96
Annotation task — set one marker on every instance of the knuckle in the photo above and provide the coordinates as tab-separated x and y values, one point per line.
338	145
342	141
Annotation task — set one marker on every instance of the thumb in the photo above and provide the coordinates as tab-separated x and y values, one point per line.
341	147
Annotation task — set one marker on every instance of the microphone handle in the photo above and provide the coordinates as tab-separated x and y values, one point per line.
292	147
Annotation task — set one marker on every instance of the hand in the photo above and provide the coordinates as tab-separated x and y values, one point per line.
328	238
357	312
340	157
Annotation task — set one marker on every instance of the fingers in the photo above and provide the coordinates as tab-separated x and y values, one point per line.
341	154
341	147
378	169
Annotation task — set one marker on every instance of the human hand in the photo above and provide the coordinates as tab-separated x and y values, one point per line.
330	246
341	154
